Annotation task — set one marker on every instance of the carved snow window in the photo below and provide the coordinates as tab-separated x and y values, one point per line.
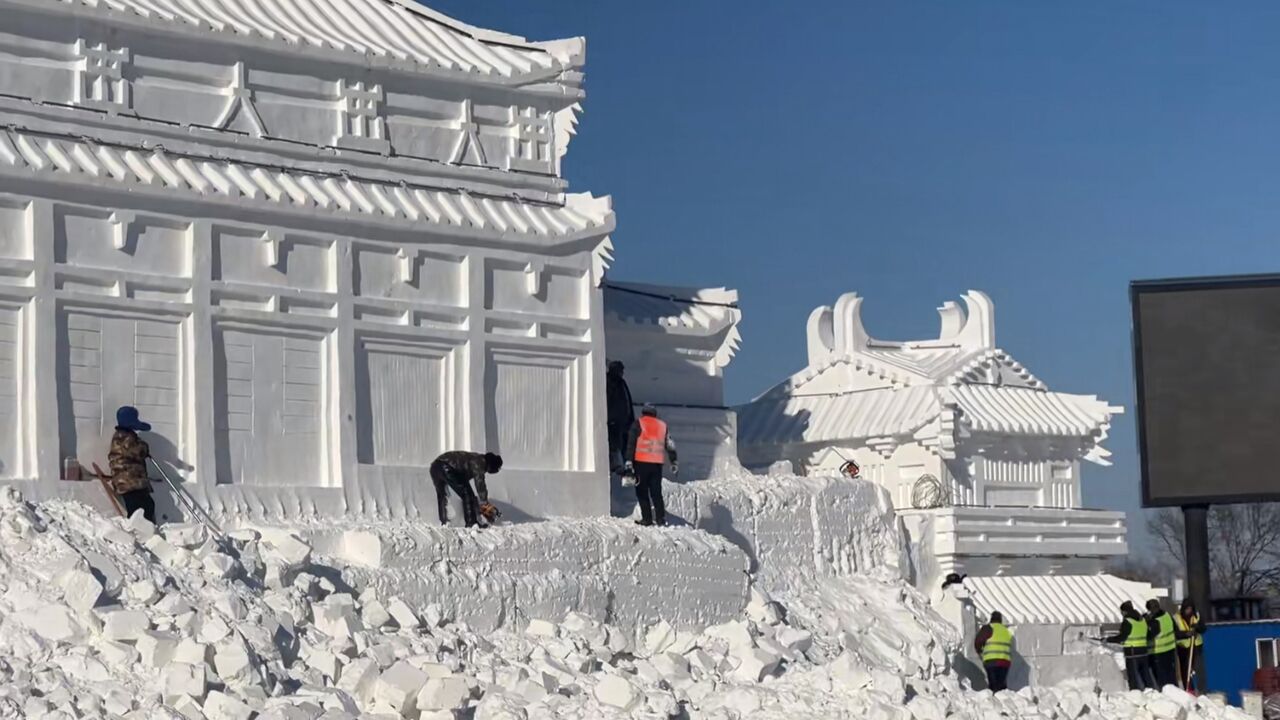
101	81
360	122
532	141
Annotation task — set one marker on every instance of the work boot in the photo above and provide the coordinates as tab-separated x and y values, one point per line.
660	522
644	523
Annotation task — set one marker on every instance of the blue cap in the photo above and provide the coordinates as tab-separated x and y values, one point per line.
127	419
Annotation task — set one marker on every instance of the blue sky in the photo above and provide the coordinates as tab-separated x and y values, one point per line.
1046	153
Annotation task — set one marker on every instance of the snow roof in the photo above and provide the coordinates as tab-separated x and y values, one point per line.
1055	599
822	418
214	178
1011	410
857	388
395	29
689	313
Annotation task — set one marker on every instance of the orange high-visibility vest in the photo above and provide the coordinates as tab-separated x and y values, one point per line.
651	447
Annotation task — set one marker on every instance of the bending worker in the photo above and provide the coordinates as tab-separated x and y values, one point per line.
648	448
456	470
1190	647
994	643
1135	634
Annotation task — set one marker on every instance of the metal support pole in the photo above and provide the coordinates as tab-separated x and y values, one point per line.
1195	528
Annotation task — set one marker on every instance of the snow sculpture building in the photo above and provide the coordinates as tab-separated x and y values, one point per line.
982	461
314	246
676	343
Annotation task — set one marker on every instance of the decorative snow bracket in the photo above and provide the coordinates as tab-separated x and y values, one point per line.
535	275
408	266
276	255
122	238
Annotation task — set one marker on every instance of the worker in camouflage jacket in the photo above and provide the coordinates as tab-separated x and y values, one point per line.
456	470
128	462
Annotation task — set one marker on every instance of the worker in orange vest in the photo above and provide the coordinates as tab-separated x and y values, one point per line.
648	449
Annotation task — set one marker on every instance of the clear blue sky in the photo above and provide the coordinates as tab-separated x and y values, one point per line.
1046	153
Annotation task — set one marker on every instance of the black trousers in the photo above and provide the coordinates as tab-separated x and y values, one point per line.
441	476
1138	671
997	677
617	436
1165	667
136	500
1185	658
649	493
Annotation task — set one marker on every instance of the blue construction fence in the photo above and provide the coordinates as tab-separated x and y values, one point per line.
1234	651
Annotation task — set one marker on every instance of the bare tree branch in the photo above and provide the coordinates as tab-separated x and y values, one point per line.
1244	546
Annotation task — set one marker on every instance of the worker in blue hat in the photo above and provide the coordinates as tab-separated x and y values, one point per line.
128	461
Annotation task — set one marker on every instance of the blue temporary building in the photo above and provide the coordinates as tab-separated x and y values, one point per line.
1234	651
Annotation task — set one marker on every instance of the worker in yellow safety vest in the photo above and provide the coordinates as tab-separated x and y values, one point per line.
1164	659
1190	630
994	643
649	447
1135	637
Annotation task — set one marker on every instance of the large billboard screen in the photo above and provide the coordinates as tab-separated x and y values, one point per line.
1207	366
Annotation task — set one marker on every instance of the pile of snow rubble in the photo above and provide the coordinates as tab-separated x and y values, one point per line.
106	618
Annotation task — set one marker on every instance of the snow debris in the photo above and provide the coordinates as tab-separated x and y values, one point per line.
258	629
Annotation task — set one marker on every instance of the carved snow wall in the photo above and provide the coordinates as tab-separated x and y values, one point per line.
315	255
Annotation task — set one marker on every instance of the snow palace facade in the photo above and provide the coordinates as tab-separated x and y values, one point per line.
315	247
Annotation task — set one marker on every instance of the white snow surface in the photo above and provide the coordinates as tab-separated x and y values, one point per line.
106	618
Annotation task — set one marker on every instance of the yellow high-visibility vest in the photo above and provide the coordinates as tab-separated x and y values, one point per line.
1137	637
1165	640
1185	626
999	646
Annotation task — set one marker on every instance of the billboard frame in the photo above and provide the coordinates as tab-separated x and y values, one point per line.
1137	289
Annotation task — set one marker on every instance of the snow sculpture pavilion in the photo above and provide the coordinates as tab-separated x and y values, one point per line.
315	246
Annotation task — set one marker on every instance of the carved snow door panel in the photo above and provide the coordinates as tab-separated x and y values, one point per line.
10	418
270	409
529	418
111	360
403	394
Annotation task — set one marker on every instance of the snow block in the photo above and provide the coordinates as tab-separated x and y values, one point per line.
156	648
220	706
617	692
358	677
399	686
125	624
80	589
53	622
444	693
178	679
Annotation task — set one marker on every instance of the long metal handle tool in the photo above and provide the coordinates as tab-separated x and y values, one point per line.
190	504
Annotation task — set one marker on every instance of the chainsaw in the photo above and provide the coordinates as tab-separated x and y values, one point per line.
490	512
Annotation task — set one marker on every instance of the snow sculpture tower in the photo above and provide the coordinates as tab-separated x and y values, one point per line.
314	248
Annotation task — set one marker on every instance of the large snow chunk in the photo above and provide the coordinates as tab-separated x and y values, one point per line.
125	625
358	677
399	686
156	648
616	692
179	679
80	589
54	623
757	663
444	693
220	706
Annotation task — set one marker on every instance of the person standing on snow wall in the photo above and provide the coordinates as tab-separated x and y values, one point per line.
994	642
456	470
620	413
1164	642
1135	637
648	448
128	462
1190	635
